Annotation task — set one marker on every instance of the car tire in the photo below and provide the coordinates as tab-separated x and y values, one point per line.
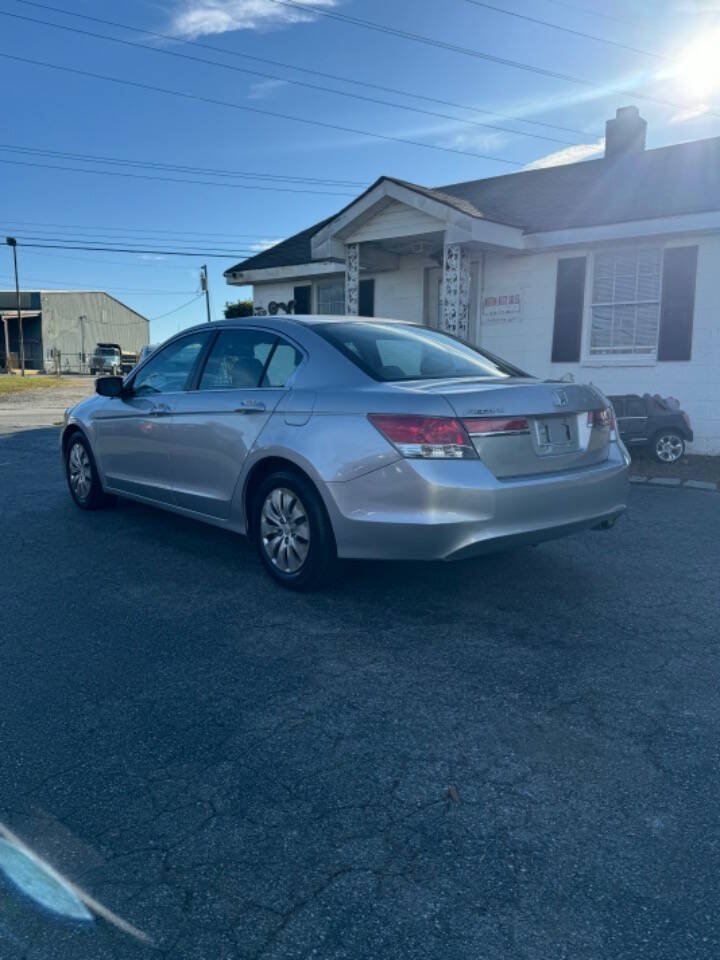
668	446
82	477
292	532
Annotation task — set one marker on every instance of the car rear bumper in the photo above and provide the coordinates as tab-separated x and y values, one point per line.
445	510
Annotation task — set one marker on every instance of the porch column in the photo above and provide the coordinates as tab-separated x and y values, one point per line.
455	294
352	278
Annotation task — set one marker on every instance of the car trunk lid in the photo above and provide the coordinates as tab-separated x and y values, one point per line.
521	427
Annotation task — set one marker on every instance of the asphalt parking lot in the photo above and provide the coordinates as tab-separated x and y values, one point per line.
513	758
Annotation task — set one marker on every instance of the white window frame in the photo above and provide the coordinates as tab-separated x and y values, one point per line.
326	281
618	359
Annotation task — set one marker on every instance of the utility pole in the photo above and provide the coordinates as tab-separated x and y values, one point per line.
204	287
12	242
7	345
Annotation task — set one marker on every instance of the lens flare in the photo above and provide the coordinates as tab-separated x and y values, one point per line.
698	68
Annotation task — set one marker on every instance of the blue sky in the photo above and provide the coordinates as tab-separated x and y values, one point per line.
51	110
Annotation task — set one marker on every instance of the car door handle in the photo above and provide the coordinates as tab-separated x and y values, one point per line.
160	410
250	406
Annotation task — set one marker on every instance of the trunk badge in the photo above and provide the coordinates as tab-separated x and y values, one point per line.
560	398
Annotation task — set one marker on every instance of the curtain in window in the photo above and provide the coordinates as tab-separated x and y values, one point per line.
625	316
331	297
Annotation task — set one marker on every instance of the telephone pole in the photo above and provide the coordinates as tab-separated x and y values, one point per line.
12	242
204	287
7	346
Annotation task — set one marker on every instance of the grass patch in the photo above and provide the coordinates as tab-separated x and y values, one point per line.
18	384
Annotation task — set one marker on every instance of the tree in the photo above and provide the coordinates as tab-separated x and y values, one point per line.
240	308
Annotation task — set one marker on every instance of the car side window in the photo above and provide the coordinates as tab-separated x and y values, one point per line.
237	360
283	363
635	407
169	369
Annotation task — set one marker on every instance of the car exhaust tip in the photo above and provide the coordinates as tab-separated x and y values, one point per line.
605	524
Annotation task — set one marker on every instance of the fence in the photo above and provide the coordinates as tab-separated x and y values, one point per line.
32	351
67	363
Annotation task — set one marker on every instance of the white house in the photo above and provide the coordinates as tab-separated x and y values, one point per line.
606	269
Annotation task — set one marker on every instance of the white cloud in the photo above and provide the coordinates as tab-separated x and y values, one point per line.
690	113
580	151
261	245
262	88
478	141
196	18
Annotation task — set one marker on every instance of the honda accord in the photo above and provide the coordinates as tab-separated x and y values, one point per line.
334	437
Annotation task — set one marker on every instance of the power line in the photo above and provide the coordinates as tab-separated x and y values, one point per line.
133	241
182	168
469	51
143	230
594	13
147	176
576	33
165	253
269	76
154	165
405	35
124	263
311	72
131	245
268	113
66	284
177	309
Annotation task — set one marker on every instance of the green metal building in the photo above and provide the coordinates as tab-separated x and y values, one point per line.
67	324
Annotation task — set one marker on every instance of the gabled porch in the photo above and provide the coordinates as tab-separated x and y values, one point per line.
397	250
394	220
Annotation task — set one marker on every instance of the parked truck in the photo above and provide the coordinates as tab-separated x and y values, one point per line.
110	358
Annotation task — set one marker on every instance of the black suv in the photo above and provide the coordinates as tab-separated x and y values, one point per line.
653	422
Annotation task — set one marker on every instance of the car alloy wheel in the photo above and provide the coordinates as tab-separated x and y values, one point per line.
669	447
79	471
285	530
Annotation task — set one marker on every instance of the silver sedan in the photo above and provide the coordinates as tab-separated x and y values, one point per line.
331	437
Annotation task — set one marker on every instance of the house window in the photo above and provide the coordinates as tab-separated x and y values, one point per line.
331	297
625	309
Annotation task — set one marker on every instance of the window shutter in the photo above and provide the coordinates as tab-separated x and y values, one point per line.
366	302
678	303
569	303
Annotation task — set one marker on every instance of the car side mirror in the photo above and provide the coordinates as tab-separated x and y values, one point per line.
109	386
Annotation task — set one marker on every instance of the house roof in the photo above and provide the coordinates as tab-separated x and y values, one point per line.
683	178
668	181
287	253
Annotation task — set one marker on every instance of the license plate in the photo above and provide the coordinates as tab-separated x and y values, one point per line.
556	432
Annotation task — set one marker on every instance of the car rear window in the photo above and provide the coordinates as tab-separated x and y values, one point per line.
395	351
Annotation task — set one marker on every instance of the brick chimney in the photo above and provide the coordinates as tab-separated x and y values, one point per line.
625	134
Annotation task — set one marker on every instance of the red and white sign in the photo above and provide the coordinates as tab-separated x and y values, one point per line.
504	306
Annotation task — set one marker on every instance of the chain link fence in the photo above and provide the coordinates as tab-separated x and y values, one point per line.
67	363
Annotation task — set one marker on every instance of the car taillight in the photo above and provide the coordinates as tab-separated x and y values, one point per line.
496	426
432	438
601	418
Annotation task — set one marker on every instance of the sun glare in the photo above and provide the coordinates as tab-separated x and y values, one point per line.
698	70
